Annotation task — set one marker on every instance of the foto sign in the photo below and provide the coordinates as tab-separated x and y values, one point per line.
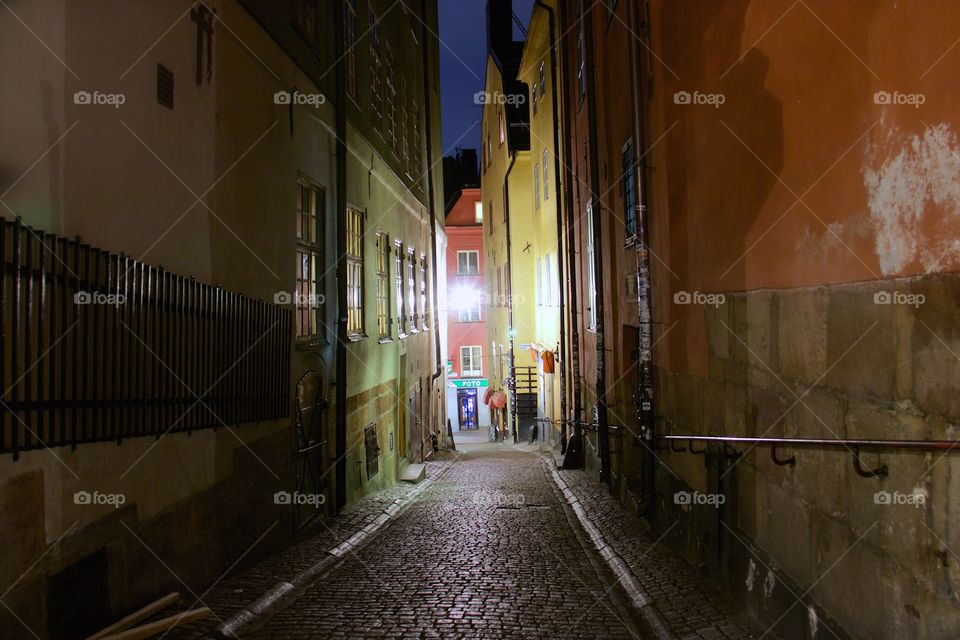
469	383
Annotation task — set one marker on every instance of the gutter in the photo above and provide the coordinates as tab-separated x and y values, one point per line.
559	200
603	425
340	415
506	217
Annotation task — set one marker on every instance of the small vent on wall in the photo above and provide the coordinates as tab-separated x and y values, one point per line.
164	86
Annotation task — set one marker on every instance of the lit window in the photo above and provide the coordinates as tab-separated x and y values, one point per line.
543	80
478	212
310	258
471	362
398	268
383	285
503	126
423	292
354	272
411	289
468	263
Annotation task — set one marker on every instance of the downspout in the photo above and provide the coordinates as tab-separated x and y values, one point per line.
603	425
645	390
424	34
573	457
506	217
554	88
341	182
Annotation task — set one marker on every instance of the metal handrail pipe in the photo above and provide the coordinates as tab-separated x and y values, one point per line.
929	445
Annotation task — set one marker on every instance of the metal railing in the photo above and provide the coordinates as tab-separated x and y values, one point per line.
98	346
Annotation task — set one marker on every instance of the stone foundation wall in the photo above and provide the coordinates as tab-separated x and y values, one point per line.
871	555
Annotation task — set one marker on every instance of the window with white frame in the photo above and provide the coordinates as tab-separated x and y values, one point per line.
398	268
354	272
536	186
471	361
468	263
423	292
478	212
548	296
310	258
471	311
412	301
383	286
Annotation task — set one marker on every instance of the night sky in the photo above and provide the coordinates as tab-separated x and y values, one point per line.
463	51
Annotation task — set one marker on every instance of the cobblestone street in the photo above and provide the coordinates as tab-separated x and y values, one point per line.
489	550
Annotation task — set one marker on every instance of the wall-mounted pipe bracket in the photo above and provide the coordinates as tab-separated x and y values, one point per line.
880	472
782	462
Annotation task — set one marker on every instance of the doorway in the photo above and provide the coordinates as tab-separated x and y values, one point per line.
467	409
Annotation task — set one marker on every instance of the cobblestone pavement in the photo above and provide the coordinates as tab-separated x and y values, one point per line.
488	551
692	606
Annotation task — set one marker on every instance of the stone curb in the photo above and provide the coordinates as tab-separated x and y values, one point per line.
286	592
641	600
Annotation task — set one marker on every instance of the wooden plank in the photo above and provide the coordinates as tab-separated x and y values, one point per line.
153	628
137	616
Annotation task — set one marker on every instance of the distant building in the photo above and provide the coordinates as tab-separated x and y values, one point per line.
468	359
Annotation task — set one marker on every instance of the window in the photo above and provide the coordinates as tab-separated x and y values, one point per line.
543	80
468	263
503	126
591	270
411	289
490	211
354	273
383	286
376	98
417	151
629	190
403	145
533	98
472	312
471	362
536	186
546	181
310	258
423	291
478	212
398	268
391	95
350	42
306	17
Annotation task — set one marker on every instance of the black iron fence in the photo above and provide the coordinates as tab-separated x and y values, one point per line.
99	346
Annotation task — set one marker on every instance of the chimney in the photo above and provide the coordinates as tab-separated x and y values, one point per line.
499	26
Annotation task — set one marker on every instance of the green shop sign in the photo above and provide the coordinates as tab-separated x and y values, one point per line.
469	383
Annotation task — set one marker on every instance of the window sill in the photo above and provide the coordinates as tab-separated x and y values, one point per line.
357	337
384	340
316	343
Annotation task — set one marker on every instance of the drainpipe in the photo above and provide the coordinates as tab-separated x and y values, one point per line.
341	182
573	457
645	390
424	34
603	425
554	88
506	216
